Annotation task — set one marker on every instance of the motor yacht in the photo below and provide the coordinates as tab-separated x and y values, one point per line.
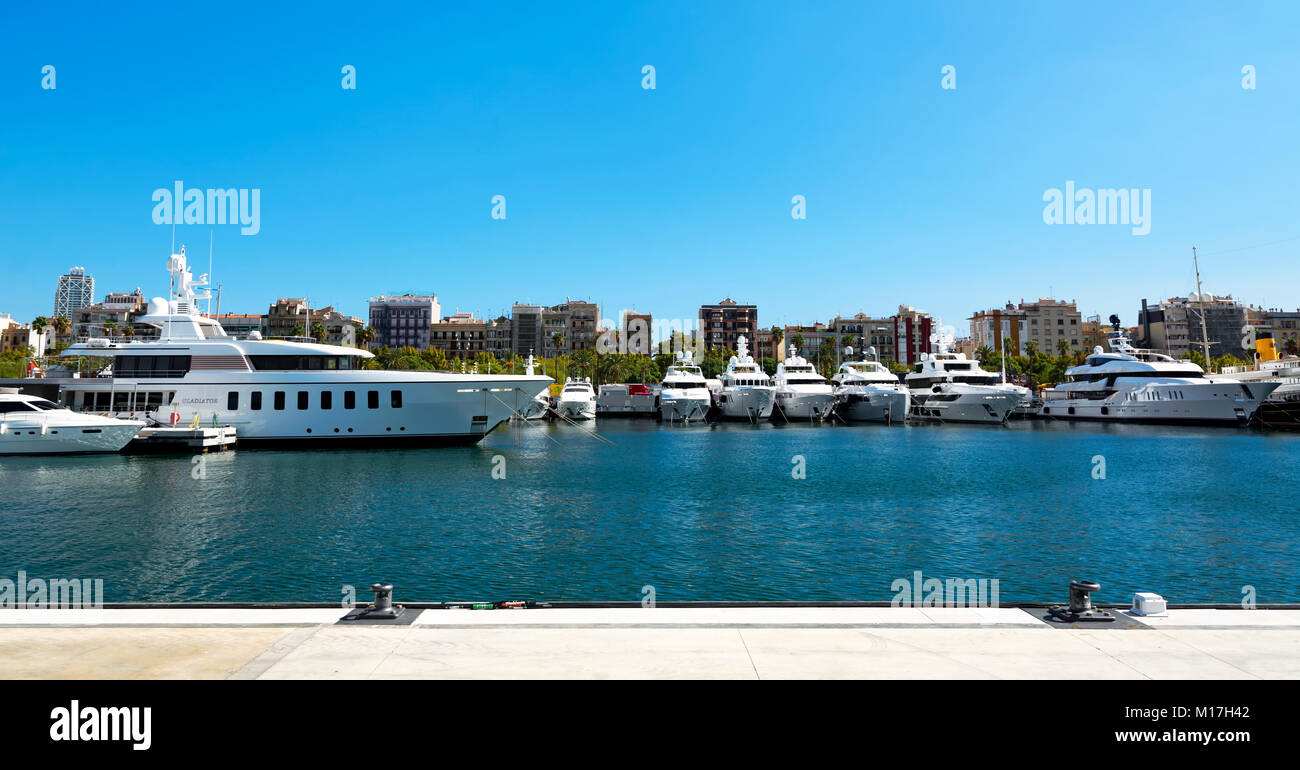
866	391
949	387
577	400
801	393
746	390
283	392
1132	385
32	425
684	394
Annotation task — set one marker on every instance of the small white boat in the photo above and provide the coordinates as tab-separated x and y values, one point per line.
32	425
866	391
577	400
684	395
801	393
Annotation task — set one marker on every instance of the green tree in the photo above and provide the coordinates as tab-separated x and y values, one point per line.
318	331
365	336
1063	347
62	326
1195	357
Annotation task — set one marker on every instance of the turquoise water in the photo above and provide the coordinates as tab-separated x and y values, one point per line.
698	512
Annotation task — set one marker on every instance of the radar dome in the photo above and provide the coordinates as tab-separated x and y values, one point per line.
157	306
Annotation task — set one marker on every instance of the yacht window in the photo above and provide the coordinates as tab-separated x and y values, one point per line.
349	399
327	399
302	399
232	400
279	400
372	399
290	363
42	405
396	399
255	401
150	366
16	406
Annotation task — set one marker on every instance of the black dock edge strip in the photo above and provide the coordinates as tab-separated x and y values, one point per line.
629	605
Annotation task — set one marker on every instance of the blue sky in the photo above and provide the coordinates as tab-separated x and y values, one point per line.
657	199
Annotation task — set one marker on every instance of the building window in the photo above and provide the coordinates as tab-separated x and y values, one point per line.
255	401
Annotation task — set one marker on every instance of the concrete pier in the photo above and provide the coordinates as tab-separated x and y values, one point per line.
633	643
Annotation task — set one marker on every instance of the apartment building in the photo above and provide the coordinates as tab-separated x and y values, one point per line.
723	323
404	320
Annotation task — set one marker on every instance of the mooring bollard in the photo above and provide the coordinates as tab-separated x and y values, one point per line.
1080	602
1080	609
383	605
381	610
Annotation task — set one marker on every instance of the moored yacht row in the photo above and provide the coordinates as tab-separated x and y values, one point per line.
277	392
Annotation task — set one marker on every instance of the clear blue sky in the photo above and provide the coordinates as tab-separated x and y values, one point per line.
658	199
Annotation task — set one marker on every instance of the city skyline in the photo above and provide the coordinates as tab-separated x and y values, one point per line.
661	199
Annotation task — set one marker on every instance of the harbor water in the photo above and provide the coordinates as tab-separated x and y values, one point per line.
732	512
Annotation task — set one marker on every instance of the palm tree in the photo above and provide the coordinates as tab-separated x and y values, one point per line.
365	336
557	340
1063	347
1031	349
1291	347
109	328
128	331
318	331
983	353
62	326
797	339
39	324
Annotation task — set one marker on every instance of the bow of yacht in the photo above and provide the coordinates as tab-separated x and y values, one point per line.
747	392
866	391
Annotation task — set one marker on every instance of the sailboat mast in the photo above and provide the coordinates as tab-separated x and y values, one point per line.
1200	298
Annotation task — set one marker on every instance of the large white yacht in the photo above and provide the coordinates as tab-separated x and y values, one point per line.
32	425
801	393
284	392
949	387
866	391
747	392
577	400
684	395
1131	385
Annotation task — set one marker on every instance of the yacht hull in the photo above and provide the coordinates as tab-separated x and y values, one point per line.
577	410
684	409
987	409
803	406
28	438
405	408
1218	403
749	404
864	405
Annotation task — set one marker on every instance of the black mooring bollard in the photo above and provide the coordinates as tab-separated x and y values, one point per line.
1080	609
